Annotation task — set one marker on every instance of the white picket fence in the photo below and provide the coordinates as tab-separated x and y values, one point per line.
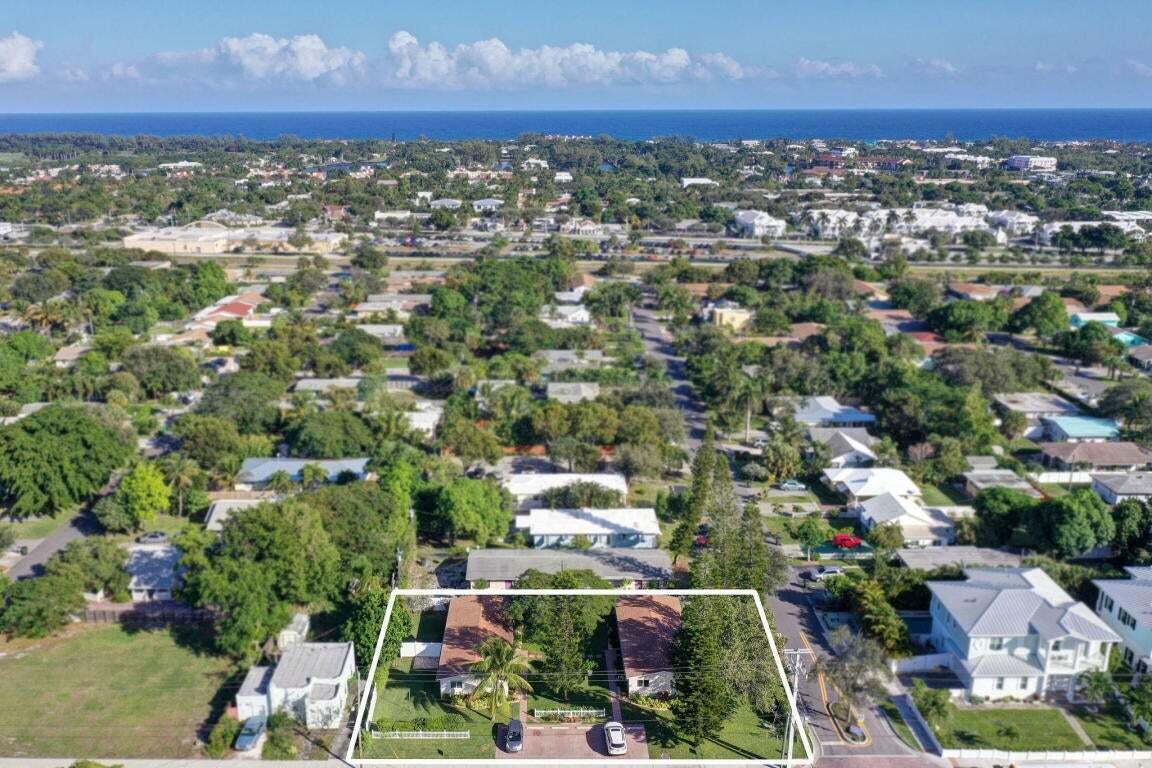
421	735
566	713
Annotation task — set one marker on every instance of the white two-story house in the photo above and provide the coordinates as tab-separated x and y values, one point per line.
1014	633
1126	606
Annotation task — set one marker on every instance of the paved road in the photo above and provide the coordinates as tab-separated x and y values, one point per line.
796	620
32	564
658	343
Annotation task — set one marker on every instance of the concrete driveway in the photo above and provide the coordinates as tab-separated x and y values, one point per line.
572	741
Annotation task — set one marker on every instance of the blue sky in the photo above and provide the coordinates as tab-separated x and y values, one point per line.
138	55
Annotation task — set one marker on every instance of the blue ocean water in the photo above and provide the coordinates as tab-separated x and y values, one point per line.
1126	125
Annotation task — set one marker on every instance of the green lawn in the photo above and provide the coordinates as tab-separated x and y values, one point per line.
103	692
35	527
780	527
1108	729
430	629
592	697
1037	728
942	496
892	712
741	738
415	695
1055	491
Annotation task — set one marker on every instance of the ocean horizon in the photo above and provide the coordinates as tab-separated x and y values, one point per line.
869	125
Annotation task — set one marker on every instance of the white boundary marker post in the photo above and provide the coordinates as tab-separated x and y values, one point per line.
350	756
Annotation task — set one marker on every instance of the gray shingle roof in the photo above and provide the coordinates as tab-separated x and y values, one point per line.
611	564
259	470
1131	484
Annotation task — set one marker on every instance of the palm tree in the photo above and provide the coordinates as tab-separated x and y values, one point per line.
503	672
281	482
746	393
1095	686
181	473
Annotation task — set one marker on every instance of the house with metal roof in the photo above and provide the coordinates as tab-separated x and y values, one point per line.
1080	429
828	412
862	483
921	526
624	568
1014	633
624	528
154	572
255	473
1126	606
847	446
309	682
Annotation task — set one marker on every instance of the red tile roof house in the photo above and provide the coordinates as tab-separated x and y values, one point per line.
471	620
647	628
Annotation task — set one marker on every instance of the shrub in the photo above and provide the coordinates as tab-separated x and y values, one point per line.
223	735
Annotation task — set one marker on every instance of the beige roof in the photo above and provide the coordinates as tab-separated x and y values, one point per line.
471	621
647	626
1098	454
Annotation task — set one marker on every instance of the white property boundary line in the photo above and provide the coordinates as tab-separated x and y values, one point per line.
801	730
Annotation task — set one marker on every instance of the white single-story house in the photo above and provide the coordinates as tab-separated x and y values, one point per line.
921	526
573	391
624	568
647	627
828	412
862	483
1014	633
566	316
1034	406
154	571
1117	488
847	446
528	489
222	509
621	528
1080	429
425	417
309	682
255	473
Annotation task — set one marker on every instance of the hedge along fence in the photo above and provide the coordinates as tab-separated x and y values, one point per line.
444	723
569	714
422	735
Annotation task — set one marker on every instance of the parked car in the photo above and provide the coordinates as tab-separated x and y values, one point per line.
822	572
250	734
514	736
614	739
153	537
793	485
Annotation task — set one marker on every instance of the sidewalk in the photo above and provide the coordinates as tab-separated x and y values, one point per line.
613	683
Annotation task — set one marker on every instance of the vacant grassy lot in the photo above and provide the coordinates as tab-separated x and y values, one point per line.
415	695
943	495
100	691
741	738
1034	728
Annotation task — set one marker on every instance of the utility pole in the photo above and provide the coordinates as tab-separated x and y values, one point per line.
797	661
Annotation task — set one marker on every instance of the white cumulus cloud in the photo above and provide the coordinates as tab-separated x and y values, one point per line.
18	57
817	68
492	64
1139	68
306	57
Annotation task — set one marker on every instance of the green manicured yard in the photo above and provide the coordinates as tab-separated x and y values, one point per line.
415	695
592	697
430	628
100	691
1108	729
892	712
942	496
1055	491
780	527
35	527
741	738
1031	728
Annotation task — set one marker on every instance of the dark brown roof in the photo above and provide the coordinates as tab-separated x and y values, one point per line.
1098	454
647	627
471	621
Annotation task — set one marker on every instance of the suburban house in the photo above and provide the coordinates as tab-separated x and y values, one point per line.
1079	429
1034	406
823	411
309	682
573	391
623	528
728	314
647	628
1126	606
847	446
862	483
471	620
425	416
527	489
979	480
957	556
1120	457
154	572
1015	633
920	526
223	508
758	224
558	360
1117	488
255	473
566	316
629	568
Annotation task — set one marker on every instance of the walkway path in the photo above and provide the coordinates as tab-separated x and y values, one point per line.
1074	724
613	683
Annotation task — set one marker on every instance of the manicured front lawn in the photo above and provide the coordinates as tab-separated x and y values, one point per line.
943	496
100	691
1108	729
592	697
781	528
35	527
892	712
741	738
1035	728
412	695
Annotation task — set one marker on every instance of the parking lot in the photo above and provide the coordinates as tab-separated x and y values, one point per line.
573	741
